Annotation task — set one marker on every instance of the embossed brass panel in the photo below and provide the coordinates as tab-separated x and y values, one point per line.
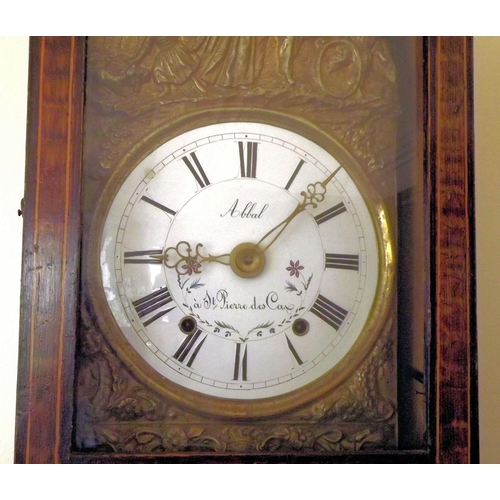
142	91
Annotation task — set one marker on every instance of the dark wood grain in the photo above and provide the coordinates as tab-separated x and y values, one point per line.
366	457
450	193
50	251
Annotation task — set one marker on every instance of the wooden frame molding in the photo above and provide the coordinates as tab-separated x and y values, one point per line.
51	257
450	193
51	245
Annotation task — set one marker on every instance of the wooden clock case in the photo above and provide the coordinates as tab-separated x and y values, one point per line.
51	265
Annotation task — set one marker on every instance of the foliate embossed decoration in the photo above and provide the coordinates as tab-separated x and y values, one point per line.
345	85
363	397
358	418
366	396
244	439
107	392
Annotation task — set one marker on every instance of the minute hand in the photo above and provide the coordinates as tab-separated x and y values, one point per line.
314	194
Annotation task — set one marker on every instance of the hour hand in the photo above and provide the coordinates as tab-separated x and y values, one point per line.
185	260
246	259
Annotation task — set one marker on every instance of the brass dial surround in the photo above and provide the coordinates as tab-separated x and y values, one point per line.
257	408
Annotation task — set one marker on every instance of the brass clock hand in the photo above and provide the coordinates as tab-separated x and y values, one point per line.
314	194
185	262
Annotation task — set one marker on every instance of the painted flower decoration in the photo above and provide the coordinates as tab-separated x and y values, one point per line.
295	268
191	266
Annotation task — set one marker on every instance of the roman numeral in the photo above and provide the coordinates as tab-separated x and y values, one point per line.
295	172
158	205
329	312
293	351
151	303
330	213
248	164
196	170
240	363
342	261
190	347
135	257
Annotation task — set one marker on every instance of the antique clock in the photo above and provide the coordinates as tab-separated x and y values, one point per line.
241	281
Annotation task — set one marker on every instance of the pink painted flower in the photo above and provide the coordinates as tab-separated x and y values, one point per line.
295	268
191	267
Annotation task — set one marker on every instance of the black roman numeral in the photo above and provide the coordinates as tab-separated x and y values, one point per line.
196	170
190	347
240	363
329	312
151	303
248	164
158	205
330	213
293	351
135	257
295	172
342	261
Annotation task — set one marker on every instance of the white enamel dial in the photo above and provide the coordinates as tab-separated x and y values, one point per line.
169	236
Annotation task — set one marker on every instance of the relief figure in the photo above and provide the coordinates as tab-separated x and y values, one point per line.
176	61
232	61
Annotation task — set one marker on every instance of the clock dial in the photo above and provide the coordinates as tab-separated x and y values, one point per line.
240	260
